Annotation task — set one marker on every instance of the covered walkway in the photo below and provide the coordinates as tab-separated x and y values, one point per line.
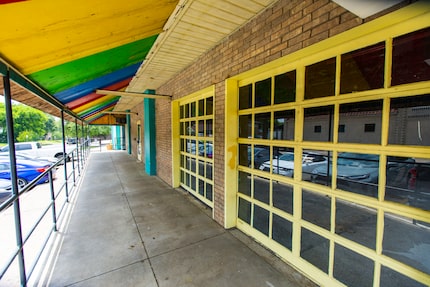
131	229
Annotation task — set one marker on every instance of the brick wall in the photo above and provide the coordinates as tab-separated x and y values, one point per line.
284	28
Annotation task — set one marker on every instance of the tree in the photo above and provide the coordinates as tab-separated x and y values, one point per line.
28	119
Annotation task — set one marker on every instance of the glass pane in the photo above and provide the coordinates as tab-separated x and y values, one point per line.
321	117
321	174
262	189
193	182
392	278
313	160
411	54
181	112
201	187
187	111
315	249
263	93
358	275
261	155
201	170
261	219
410	121
363	69
209	128
193	109
209	171
316	208
209	193
362	122
209	106
357	172
262	126
401	179
181	129
245	126
320	79
244	210
245	97
356	222
244	182
283	196
282	231
283	126
407	242
201	107
285	88
418	180
283	164
245	155
201	128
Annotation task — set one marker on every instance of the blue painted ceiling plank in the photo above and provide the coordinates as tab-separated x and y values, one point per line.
89	87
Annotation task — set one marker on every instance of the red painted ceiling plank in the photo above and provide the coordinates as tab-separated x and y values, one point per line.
93	96
10	1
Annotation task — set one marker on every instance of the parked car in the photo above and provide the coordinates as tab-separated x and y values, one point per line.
18	155
261	155
27	170
284	164
206	150
5	189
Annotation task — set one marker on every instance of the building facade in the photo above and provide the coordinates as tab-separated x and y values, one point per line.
337	110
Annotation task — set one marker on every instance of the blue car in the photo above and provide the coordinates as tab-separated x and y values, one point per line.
27	170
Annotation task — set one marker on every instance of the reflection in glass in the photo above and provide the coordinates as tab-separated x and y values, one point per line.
193	182
363	121
411	58
316	209
314	160
413	249
282	231
201	128
363	69
245	97
187	111
401	180
209	170
360	275
356	222
320	79
261	219
262	189
181	112
392	278
245	155
201	170
357	172
263	91
282	162
245	126
193	109
283	196
201	187
283	126
285	88
262	126
261	155
322	116
244	210
315	249
244	182
410	121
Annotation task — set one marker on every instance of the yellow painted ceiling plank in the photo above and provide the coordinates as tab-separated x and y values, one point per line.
69	32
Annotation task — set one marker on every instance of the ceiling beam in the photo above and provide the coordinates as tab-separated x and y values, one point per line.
130	94
120	113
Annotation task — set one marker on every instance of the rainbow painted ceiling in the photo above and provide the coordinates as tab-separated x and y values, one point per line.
72	48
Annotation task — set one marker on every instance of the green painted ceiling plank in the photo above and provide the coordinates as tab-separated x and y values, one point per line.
79	71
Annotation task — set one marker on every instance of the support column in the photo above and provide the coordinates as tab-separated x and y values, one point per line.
128	132
149	134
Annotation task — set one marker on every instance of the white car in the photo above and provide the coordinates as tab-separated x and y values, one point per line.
284	164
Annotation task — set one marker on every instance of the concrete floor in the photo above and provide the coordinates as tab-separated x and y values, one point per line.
131	229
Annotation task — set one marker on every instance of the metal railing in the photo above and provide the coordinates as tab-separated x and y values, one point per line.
72	164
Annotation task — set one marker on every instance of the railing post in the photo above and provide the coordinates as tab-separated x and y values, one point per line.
64	156
54	212
14	177
77	150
